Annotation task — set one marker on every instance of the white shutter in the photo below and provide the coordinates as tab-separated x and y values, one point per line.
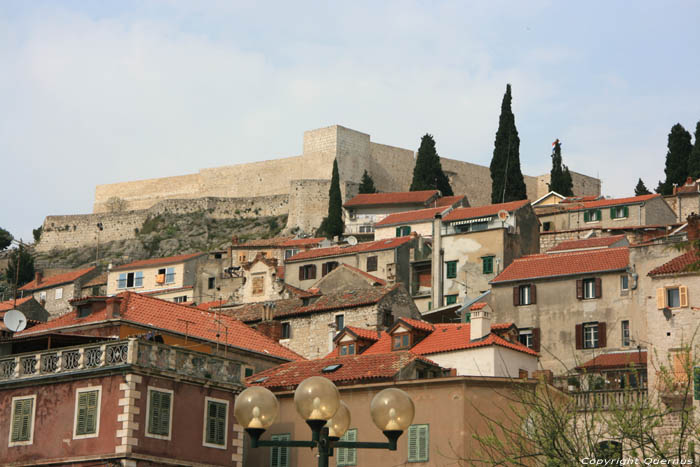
413	443
423	442
351	457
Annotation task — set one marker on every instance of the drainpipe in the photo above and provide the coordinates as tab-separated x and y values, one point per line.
437	262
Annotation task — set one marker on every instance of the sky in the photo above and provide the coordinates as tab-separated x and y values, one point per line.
95	92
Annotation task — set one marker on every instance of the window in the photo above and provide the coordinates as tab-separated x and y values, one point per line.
401	341
87	412
159	412
625	327
307	272
279	457
258	283
672	297
59	293
624	283
248	371
450	299
592	215
242	258
366	228
487	264
525	294
451	269
347	349
347	456
403	231
418	443
181	299
286	330
589	288
128	280
546	226
95	290
619	212
590	336
169	275
525	337
211	282
290	252
215	422
328	267
339	322
22	427
371	263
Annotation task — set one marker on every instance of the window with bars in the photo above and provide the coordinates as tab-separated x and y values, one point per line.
451	269
159	411
279	456
22	420
215	433
87	412
347	456
418	443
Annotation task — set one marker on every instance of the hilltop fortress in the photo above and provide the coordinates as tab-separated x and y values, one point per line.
295	185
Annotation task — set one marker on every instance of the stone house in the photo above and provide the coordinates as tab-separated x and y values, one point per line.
216	277
97	286
685	199
476	244
55	292
263	280
606	213
574	305
77	390
386	259
363	211
279	248
171	278
307	325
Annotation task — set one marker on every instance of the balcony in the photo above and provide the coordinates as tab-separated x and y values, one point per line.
132	352
607	399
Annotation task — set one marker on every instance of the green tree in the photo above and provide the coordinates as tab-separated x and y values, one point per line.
677	159
367	184
507	183
26	267
427	173
5	239
560	177
332	224
641	189
694	159
37	233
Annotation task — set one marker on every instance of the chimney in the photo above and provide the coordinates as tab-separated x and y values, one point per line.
38	277
544	375
437	260
234	240
112	306
693	228
268	326
480	325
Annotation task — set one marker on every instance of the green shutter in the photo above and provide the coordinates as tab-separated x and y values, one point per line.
87	413
612	213
159	413
586	216
450	299
279	456
412	443
487	264
696	380
418	443
599	215
22	420
451	269
216	423
398	231
627	211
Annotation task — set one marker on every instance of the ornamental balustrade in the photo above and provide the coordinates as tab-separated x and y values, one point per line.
610	399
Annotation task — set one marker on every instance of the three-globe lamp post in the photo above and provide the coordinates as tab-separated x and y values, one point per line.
318	402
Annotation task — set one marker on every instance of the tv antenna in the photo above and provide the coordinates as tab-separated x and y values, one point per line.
15	320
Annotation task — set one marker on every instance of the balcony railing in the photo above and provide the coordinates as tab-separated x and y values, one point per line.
131	352
610	398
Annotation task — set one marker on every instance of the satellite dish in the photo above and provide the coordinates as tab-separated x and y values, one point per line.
503	215
15	320
351	240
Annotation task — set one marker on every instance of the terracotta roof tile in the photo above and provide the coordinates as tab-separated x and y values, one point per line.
157	261
481	211
418	324
378	245
419	215
477	306
448	201
362	333
58	279
677	265
588	243
399	197
353	368
169	316
616	360
603	203
565	264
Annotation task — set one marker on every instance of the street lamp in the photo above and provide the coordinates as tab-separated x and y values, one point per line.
318	402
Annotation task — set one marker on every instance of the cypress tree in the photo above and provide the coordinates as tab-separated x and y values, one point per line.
26	267
332	225
694	159
677	159
367	184
641	189
507	183
559	177
427	173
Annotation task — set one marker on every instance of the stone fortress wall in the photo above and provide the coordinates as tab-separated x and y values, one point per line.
295	185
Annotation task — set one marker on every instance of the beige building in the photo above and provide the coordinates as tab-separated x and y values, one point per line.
279	248
419	222
55	292
685	199
172	278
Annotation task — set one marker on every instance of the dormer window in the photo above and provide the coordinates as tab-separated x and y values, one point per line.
401	341
348	349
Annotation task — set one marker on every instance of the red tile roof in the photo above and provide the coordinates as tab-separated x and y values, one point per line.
417	324
10	304
481	211
448	201
565	264
367	334
157	261
449	337
677	265
400	197
603	203
58	279
173	317
616	360
576	199
589	243
477	306
353	368
407	217
378	245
